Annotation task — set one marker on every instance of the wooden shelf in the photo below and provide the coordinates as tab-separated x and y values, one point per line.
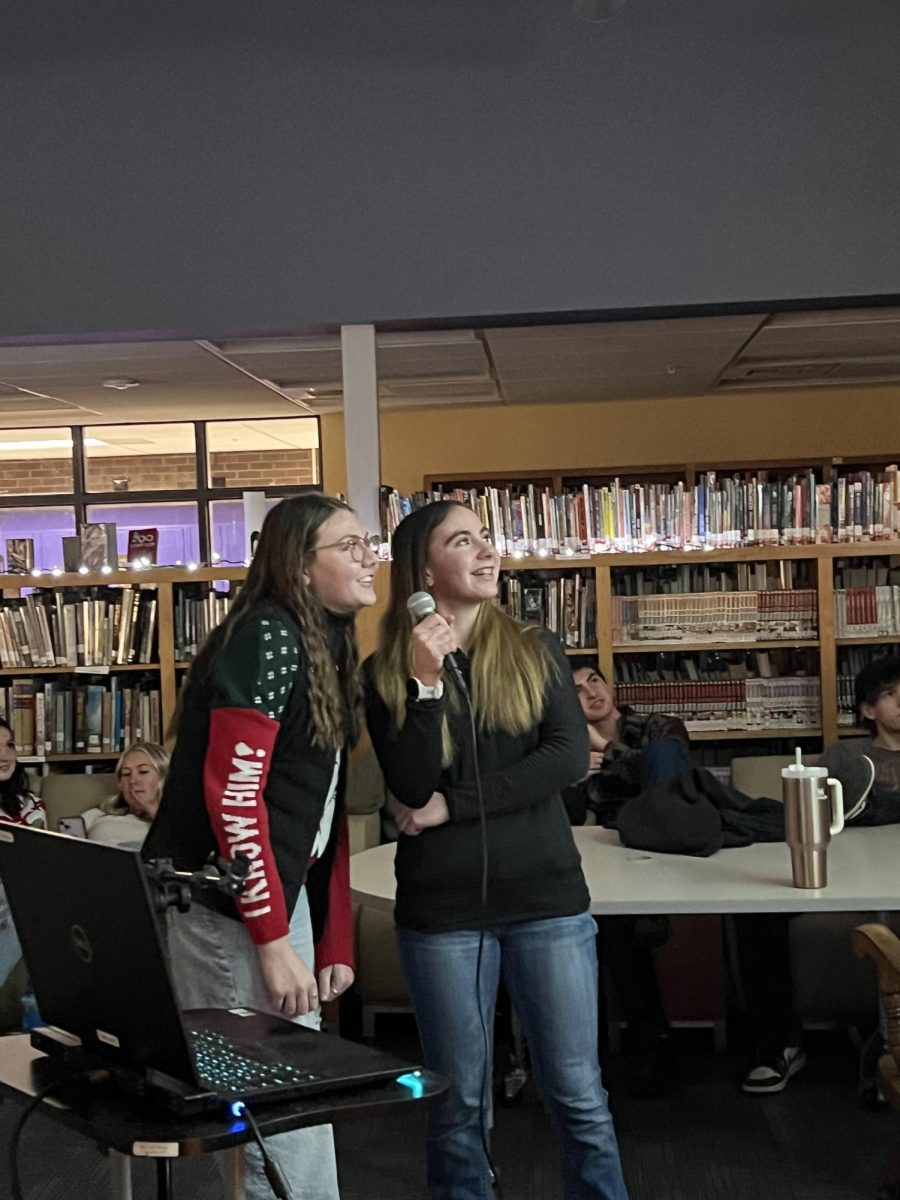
80	670
750	735
889	639
150	577
852	731
574	651
105	756
656	558
693	647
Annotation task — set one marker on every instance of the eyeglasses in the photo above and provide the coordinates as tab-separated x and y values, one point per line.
356	547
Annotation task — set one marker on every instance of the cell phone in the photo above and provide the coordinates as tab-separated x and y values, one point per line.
73	826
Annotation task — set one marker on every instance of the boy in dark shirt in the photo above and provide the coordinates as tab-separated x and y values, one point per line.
630	751
869	770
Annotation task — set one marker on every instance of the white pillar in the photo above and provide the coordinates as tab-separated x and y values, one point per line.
361	437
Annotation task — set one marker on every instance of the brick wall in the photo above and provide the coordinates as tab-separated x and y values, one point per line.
245	469
30	477
262	468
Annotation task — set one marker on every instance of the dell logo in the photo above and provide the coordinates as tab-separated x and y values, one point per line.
83	947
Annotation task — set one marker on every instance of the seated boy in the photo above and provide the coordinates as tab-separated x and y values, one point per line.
869	769
630	751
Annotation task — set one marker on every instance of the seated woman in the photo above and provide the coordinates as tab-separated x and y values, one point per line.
123	819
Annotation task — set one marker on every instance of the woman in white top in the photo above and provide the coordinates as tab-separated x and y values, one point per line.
124	819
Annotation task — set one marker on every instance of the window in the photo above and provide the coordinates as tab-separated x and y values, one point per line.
263	454
178	525
35	462
226	518
140	458
46	527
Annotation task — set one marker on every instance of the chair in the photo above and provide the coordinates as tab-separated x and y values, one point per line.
830	987
883	947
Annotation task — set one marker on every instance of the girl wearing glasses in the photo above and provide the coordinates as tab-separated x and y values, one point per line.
525	912
266	715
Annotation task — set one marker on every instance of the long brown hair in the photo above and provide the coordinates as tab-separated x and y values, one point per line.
510	665
17	787
276	574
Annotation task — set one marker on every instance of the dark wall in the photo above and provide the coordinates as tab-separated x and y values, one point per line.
173	165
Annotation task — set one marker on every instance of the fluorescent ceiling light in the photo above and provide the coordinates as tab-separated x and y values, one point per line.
48	444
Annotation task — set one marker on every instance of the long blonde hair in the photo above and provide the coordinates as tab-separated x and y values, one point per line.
511	667
155	755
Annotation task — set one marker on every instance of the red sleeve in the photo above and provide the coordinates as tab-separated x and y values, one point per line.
336	943
234	779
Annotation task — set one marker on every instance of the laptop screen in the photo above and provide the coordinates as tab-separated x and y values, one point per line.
92	946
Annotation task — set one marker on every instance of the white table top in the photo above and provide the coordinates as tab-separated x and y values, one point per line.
863	875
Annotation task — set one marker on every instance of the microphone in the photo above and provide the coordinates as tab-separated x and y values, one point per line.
421	605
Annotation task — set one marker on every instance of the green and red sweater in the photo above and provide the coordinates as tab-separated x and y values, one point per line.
246	777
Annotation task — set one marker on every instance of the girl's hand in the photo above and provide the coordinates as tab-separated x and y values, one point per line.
412	821
334	981
432	640
291	983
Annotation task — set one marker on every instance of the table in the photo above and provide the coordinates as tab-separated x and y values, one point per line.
863	875
129	1126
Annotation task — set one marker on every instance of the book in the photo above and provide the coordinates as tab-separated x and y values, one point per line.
71	548
142	545
19	555
98	546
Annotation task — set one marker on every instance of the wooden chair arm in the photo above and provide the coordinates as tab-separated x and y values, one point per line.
882	945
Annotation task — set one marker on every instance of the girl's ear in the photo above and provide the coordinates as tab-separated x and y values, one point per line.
429	579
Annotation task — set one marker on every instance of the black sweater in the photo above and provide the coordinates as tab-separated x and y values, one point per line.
534	870
252	706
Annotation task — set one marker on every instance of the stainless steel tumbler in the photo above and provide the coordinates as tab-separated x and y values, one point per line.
813	813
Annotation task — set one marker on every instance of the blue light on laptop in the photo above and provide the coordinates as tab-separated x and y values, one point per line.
414	1081
237	1108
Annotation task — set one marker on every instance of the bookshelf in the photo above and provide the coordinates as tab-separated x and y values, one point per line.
138	695
603	578
816	566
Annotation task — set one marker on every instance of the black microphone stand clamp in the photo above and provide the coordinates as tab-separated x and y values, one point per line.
173	888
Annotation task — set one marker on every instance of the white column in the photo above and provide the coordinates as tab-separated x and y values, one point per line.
361	437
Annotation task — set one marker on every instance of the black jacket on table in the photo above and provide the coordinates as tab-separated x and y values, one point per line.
534	869
245	776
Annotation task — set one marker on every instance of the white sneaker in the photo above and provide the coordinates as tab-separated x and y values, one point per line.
773	1077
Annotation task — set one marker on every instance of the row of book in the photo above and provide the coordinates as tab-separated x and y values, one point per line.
78	627
199	608
61	716
867	611
715	617
567	606
787	702
776	575
716	512
875	572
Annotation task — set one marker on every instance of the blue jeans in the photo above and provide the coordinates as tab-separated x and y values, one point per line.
661	761
215	965
550	971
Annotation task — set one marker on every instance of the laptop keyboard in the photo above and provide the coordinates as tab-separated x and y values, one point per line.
222	1065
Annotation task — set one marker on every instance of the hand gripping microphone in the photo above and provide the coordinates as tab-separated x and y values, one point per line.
421	605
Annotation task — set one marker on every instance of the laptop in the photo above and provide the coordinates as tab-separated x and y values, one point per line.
93	945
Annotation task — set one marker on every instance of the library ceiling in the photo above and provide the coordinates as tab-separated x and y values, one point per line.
542	364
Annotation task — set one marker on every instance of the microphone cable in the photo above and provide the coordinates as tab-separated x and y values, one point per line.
277	1182
482	929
